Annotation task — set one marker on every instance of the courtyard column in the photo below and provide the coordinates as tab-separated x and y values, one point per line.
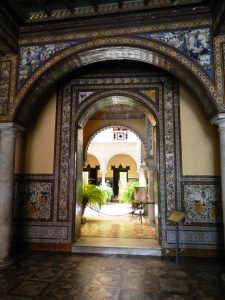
7	156
103	178
219	120
151	193
142	179
103	171
151	206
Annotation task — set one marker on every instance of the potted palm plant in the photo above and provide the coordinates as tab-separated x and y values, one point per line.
93	196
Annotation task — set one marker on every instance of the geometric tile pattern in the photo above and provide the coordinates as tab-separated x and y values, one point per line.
5	68
195	239
62	276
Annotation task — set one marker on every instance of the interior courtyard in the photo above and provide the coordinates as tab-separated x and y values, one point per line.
112	160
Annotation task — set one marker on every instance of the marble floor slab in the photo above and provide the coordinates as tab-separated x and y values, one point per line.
116	221
59	276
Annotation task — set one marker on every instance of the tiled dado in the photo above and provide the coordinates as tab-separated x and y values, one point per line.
33	211
202	225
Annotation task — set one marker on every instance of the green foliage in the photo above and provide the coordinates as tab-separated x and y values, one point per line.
93	195
108	191
128	195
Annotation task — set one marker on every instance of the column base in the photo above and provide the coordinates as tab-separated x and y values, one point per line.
5	263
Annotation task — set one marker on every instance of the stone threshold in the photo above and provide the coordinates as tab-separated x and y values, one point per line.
125	246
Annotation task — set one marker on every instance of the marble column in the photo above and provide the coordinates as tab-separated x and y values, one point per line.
219	120
151	191
7	156
142	178
103	179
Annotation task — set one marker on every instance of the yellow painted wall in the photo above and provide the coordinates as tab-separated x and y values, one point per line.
124	160
35	147
92	161
200	140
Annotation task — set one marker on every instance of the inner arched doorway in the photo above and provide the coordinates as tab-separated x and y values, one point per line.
154	93
129	112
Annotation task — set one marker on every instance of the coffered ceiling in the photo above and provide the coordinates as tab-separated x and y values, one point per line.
36	10
33	17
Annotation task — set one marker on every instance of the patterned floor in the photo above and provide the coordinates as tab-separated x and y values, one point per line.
114	222
42	276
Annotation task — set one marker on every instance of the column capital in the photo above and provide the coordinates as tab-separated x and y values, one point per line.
10	128
219	120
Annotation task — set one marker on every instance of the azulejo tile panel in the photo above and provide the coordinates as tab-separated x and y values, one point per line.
33	200
5	67
194	43
31	57
202	203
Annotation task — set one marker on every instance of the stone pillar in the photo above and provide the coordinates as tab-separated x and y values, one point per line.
152	205
103	179
219	120
7	156
150	165
142	179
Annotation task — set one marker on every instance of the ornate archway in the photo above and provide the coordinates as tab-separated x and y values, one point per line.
148	51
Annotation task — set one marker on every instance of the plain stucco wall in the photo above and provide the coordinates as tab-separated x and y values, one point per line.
199	139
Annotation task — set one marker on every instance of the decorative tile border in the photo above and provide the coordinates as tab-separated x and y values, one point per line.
199	239
7	86
40	233
167	116
5	70
55	37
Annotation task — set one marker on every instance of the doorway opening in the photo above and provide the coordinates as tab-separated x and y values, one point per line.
120	155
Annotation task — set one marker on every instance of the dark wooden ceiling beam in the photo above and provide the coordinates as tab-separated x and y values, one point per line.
120	4
20	8
44	5
218	15
95	5
69	4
